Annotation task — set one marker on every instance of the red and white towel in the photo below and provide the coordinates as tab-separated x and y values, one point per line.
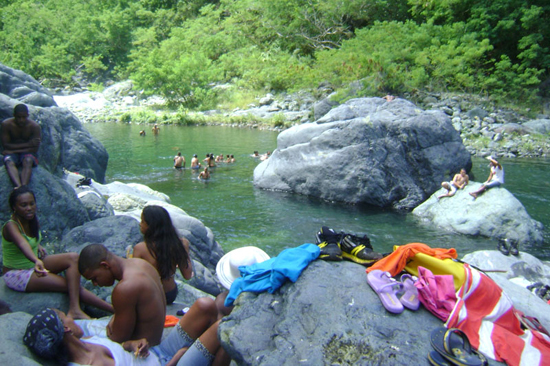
486	315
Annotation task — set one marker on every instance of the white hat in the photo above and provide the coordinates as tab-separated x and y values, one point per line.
227	268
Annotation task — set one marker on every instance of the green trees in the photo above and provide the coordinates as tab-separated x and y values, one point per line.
183	49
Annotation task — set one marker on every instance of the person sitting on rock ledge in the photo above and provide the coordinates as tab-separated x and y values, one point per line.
21	139
459	181
164	249
496	177
27	267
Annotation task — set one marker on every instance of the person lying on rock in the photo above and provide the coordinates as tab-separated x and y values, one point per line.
496	177
27	267
459	181
21	138
164	249
138	298
193	341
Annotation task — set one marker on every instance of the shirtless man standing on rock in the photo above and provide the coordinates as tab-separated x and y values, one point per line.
138	299
459	181
21	138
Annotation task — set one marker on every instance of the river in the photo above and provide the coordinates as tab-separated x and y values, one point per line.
241	215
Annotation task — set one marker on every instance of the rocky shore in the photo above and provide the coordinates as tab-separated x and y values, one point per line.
485	128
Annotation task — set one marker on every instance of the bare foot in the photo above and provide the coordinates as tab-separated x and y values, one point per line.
473	195
79	314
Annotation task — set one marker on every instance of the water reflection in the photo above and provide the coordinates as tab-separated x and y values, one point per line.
239	214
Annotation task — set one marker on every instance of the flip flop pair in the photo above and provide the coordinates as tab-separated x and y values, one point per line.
452	348
387	289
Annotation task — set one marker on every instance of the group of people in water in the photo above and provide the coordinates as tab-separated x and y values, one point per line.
209	162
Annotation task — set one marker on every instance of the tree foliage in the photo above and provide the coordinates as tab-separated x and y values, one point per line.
183	49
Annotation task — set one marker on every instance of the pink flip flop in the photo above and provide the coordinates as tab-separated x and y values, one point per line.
409	299
387	288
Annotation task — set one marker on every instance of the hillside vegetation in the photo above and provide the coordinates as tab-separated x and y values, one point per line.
205	54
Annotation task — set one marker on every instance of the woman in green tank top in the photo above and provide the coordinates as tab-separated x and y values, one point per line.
27	267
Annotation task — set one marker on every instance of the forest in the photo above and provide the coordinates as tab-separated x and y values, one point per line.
198	53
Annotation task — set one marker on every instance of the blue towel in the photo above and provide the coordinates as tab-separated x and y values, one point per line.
273	273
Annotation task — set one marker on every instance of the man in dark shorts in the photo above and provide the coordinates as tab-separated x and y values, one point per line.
21	138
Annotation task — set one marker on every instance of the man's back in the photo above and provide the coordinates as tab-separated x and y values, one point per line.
139	299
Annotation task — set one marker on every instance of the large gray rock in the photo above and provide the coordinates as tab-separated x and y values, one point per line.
496	214
65	143
32	303
330	316
541	126
367	151
12	349
115	232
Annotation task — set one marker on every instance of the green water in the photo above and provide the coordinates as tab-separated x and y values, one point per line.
240	215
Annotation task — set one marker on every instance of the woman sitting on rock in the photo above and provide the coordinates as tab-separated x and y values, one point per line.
27	267
164	249
496	177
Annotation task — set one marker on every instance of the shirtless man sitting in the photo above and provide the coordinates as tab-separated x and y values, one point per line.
179	161
138	298
21	138
459	181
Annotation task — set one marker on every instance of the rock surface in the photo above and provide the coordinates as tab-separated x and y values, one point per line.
330	316
367	151
496	214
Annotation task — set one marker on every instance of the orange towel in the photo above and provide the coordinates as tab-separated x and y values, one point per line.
171	321
395	262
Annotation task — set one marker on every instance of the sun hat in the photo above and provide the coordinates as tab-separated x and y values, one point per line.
227	268
44	334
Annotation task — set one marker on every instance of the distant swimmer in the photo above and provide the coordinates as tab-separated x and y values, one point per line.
205	174
232	158
219	158
195	162
256	154
265	156
155	129
142	133
179	161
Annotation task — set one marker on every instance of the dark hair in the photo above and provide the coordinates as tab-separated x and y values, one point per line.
44	337
163	241
20	108
91	256
12	200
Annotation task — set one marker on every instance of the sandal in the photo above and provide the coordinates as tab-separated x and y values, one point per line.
410	297
386	288
455	347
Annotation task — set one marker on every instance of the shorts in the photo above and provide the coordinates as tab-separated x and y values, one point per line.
492	184
178	167
196	355
195	167
18	279
18	158
453	188
171	295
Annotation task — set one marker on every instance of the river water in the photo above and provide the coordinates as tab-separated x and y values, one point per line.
241	215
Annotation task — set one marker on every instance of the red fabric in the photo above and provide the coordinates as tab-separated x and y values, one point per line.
171	321
395	262
487	316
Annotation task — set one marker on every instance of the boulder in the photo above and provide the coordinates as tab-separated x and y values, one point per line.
496	214
96	206
33	303
367	151
115	232
541	126
12	349
18	85
330	316
322	107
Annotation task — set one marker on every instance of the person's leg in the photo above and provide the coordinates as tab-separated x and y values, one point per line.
13	173
206	350
480	190
26	171
68	262
220	304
